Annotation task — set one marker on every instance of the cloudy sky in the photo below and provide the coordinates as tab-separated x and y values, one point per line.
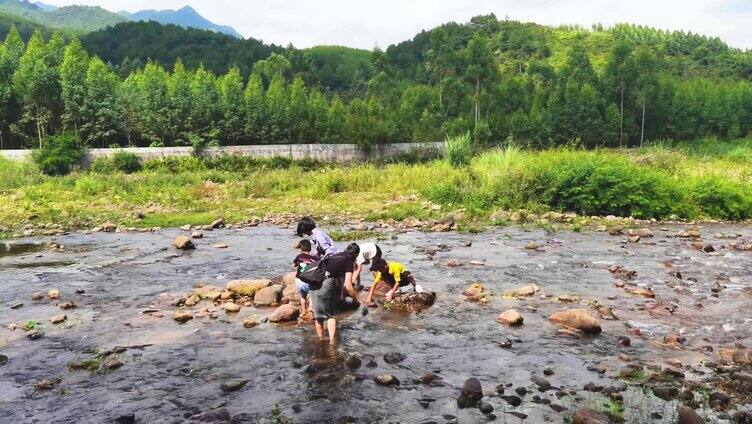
366	24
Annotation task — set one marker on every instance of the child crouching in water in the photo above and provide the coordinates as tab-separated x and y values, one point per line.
395	274
300	262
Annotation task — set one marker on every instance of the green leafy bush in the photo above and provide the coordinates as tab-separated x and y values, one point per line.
126	162
611	189
228	163
447	193
459	150
717	198
59	154
121	161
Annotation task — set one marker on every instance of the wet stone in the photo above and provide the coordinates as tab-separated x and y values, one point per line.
590	416
386	380
666	393
353	362
268	296
183	243
513	400
232	385
67	305
113	364
394	357
230	307
285	313
578	319
671	373
471	394
485	408
719	399
592	387
58	319
557	408
522	391
510	317
541	383
220	415
126	419
34	335
182	316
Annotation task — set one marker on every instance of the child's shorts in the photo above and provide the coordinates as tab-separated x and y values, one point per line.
303	287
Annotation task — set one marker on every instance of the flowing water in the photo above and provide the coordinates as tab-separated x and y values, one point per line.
172	372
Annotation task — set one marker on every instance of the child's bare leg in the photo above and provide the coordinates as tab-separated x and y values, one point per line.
319	328
411	279
332	328
303	306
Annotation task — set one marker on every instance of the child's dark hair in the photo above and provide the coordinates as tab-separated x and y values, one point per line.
305	226
381	265
352	250
305	245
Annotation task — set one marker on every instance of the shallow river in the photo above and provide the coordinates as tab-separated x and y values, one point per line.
176	376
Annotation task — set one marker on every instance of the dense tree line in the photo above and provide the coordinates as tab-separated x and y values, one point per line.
50	86
165	44
497	80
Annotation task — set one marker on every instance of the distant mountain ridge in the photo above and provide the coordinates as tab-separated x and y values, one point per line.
76	18
91	18
186	17
45	6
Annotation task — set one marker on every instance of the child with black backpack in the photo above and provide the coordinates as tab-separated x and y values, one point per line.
300	263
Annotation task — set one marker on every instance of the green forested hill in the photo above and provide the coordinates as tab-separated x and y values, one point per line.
338	68
144	41
500	81
75	18
335	68
682	53
25	27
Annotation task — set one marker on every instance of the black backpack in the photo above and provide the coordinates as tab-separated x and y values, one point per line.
315	273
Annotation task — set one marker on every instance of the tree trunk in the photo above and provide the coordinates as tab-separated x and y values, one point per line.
642	133
441	89
477	100
621	120
39	128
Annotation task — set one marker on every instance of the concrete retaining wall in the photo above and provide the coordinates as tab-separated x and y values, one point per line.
343	153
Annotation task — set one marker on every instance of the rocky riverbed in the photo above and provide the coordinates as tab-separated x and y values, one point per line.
92	330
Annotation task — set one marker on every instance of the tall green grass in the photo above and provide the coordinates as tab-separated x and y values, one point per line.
653	182
459	149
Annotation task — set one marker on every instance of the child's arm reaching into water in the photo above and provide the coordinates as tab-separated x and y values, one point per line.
390	294
376	281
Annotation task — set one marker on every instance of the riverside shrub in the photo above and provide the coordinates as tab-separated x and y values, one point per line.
59	154
121	161
459	150
722	199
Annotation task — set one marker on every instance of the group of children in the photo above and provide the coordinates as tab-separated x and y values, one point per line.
319	244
